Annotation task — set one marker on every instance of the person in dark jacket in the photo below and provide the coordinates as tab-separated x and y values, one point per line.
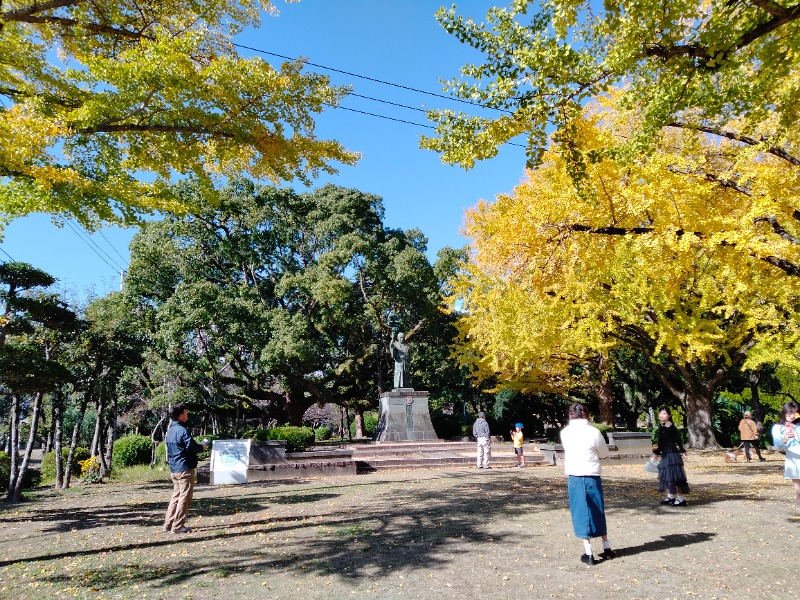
182	453
671	475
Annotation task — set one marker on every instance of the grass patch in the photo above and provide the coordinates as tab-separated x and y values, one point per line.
139	474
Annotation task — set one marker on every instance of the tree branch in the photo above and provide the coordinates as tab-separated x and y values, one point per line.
93	27
776	227
739	138
780	16
17	15
130	127
726	183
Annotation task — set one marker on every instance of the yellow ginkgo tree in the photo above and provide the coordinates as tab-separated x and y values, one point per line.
104	104
689	254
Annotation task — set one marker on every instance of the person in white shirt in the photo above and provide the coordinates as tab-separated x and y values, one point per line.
785	437
584	446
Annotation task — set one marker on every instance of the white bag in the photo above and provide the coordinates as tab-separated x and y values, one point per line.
651	466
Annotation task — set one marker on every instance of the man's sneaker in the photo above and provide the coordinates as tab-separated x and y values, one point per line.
762	460
679	503
608	554
182	530
587	559
166	529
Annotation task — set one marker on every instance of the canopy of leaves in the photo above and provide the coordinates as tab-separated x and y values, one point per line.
703	63
664	254
279	298
104	104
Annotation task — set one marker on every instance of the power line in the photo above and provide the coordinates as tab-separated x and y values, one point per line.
373	79
87	241
371	114
7	254
112	245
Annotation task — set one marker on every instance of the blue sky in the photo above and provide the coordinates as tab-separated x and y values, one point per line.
395	41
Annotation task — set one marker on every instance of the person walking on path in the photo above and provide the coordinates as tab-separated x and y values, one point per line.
671	475
748	433
518	438
784	437
480	430
182	453
584	446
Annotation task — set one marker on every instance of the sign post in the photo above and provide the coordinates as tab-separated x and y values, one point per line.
229	461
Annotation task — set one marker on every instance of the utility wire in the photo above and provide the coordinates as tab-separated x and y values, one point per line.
112	245
86	240
364	112
397	85
7	254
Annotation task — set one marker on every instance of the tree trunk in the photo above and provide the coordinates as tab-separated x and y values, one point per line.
758	411
153	452
111	435
347	424
15	493
605	395
95	447
13	446
58	426
359	417
74	440
698	422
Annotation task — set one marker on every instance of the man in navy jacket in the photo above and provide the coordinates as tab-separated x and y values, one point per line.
182	453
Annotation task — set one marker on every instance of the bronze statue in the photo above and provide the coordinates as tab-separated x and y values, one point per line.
400	354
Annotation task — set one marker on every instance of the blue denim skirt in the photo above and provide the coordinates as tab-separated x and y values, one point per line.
586	506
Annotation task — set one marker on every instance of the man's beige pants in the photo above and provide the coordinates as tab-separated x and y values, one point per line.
182	490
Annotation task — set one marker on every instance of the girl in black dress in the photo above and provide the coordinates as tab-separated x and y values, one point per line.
671	476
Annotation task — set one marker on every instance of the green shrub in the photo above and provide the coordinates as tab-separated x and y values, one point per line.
370	424
321	434
161	453
297	438
604	429
261	435
48	468
131	450
5	470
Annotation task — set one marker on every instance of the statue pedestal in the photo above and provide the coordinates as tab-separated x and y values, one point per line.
404	416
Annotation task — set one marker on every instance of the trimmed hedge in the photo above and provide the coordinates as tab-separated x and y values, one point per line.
297	438
370	424
321	434
48	468
130	450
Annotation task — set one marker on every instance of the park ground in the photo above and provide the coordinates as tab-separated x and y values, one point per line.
445	533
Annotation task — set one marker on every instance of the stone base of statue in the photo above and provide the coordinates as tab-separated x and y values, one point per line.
404	416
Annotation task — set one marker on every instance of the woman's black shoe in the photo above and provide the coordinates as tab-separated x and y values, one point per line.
587	559
608	554
681	503
668	501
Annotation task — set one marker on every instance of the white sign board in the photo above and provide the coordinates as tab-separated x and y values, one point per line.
229	461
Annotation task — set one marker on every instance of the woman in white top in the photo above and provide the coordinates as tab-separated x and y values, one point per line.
584	446
784	436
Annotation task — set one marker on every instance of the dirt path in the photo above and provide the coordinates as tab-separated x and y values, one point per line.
455	533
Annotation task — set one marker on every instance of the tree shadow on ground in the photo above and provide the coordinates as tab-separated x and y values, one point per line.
410	524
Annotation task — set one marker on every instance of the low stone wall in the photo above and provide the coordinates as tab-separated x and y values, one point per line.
631	442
